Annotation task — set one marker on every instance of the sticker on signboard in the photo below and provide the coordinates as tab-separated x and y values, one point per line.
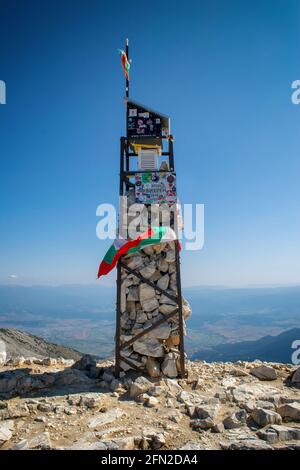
132	112
155	188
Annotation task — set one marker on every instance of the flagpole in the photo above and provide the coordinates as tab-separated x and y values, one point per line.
127	54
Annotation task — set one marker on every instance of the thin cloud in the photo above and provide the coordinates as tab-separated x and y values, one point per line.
13	276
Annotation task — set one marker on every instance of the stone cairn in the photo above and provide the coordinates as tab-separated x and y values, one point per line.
142	305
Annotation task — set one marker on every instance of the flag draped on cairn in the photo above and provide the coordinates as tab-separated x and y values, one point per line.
153	256
121	246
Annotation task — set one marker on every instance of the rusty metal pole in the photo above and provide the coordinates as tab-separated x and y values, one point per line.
180	313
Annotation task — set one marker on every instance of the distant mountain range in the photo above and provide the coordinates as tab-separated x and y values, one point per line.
269	348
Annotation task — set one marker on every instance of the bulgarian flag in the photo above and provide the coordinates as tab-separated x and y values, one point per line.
125	63
121	247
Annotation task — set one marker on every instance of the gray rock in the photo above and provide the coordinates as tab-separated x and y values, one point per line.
186	309
290	411
133	294
264	372
218	428
153	367
21	445
139	386
149	347
148	271
264	417
156	391
45	407
163	331
192	446
141	316
250	444
163	282
204	424
279	433
5	433
235	420
40	441
90	400
295	378
168	366
105	418
146	292
207	411
3	354
152	402
248	392
134	261
170	256
269	435
150	305
48	361
155	439
166	308
163	265
86	362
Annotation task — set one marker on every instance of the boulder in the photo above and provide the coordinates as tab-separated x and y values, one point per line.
134	261
295	378
133	294
139	386
146	292
149	347
247	444
154	438
49	361
235	420
163	266
153	367
152	402
264	372
150	304
166	308
3	354
105	418
163	282
5	433
279	433
264	417
21	445
85	362
186	309
163	331
207	411
203	424
168	366
148	271
40	441
290	411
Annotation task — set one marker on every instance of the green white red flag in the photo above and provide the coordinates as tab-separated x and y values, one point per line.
121	247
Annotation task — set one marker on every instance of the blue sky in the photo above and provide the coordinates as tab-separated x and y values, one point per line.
221	69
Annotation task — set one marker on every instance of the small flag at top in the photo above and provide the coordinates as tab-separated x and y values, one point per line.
125	63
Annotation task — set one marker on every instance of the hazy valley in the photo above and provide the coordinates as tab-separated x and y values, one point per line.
83	317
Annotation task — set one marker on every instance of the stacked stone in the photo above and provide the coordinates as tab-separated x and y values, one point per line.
142	305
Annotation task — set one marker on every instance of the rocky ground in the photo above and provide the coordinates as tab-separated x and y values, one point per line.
56	404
